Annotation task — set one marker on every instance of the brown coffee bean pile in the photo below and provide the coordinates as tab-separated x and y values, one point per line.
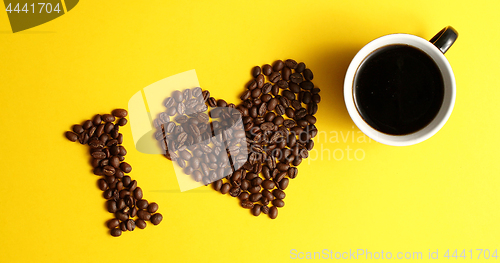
200	141
125	198
279	123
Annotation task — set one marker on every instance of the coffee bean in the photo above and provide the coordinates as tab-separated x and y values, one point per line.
123	226
279	194
138	193
256	210
142	204
144	215
111	206
247	204
307	85
244	196
290	113
102	184
300	67
112	223
312	108
78	129
268	184
274	77
120	113
255	71
278	203
121	216
296	78
283	184
278	65
130	225
301	113
140	223
308	74
87	124
125	167
306	97
71	136
177	95
256	92
282	84
273	212
267	69
278	120
116	232
132	186
280	110
292	172
225	188
290	63
234	191
108	118
108	170
156	219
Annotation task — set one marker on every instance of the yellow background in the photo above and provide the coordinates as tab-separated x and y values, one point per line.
440	194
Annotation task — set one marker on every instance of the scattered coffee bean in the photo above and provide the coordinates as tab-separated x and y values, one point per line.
156	219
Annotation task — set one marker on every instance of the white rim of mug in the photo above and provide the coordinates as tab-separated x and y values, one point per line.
449	91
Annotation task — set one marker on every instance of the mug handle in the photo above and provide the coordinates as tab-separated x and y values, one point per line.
445	38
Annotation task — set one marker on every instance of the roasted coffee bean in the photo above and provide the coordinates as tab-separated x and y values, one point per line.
256	92
264	209
268	184
78	128
256	210
290	113
121	216
280	110
290	63
245	184
87	124
177	95
98	155
273	212
246	95
71	136
289	95
267	69
144	215
112	223
282	84
282	175
212	102
312	108
292	172
267	194
254	189
142	204
130	224
234	191
116	232
316	98
278	203
225	188
296	78
306	97
255	71
278	120
267	88
132	186
279	194
301	113
126	181
140	223
275	90
282	167
102	184
308	74
283	184
244	196
247	204
138	193
260	79
108	118
300	67
123	226
285	73
156	219
120	113
278	65
108	170
274	77
111	206
125	167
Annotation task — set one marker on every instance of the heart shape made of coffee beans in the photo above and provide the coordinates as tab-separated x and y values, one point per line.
250	150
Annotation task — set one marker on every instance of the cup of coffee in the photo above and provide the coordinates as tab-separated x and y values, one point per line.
400	89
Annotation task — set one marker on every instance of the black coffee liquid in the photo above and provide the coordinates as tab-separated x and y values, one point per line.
398	89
